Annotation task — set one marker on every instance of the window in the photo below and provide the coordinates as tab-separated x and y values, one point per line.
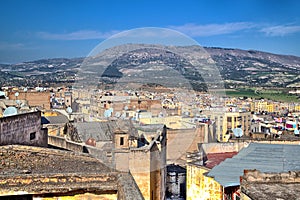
121	141
32	136
228	119
108	154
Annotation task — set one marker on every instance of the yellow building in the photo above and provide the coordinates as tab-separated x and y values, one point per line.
297	108
199	186
270	107
173	122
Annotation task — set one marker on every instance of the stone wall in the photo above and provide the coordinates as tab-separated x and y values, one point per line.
256	185
255	176
23	129
110	186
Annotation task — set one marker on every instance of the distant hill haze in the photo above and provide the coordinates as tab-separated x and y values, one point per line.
236	67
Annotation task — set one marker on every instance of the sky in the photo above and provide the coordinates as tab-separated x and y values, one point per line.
37	29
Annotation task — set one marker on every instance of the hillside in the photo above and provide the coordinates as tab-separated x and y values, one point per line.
237	67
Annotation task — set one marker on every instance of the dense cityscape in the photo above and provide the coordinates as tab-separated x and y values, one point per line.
119	101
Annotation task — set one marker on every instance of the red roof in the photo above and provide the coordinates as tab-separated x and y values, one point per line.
214	159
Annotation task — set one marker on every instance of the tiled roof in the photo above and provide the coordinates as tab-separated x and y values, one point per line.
264	157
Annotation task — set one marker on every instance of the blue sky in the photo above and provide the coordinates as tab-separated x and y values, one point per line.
35	29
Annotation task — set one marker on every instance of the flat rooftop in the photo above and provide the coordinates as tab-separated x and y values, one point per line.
30	170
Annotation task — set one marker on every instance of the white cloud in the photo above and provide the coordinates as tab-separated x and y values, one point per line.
11	46
196	30
281	30
77	35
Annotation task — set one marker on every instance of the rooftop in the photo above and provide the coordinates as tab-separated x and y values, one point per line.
214	159
36	170
17	159
269	186
264	157
102	131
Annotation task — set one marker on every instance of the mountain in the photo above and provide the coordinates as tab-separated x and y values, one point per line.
163	65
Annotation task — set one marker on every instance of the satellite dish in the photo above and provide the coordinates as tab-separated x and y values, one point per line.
118	114
126	108
123	116
10	111
17	94
107	113
69	110
25	89
238	132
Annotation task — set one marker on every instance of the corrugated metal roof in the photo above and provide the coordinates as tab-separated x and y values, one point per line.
214	159
263	157
60	119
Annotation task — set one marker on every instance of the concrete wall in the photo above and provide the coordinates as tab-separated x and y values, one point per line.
63	143
23	129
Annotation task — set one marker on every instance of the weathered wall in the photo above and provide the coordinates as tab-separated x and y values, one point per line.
223	147
55	130
140	170
128	189
255	176
155	170
122	160
39	99
200	186
259	185
23	129
85	196
181	141
63	143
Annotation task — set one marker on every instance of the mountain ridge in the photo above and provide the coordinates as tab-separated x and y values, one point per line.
237	67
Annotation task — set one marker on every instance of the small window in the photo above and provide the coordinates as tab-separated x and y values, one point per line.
32	136
108	154
121	141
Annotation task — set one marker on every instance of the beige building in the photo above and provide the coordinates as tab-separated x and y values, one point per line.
34	98
226	122
126	147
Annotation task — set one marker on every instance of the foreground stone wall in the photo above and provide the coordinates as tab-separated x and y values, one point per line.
256	185
23	129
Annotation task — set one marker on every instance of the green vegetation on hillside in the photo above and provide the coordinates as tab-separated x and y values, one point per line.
272	94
